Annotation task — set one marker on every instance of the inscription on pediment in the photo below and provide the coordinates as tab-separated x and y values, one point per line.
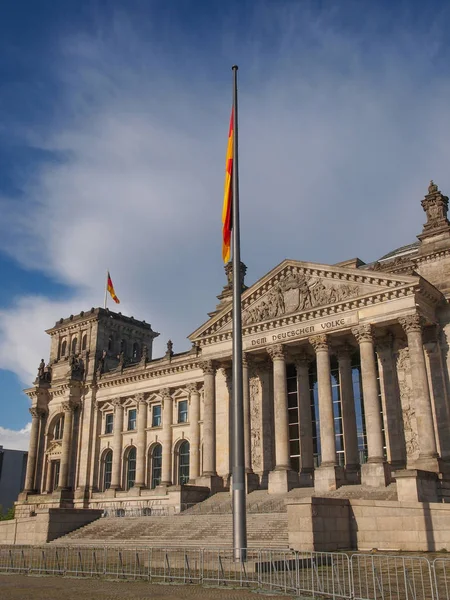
297	292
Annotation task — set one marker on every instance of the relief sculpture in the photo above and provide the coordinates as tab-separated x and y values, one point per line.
255	420
408	412
294	293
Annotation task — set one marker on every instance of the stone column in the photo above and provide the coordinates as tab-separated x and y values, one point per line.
351	452
142	410
209	419
302	362
36	415
246	398
325	477
166	437
438	391
48	478
373	473
282	478
117	444
194	418
69	410
86	442
392	409
427	461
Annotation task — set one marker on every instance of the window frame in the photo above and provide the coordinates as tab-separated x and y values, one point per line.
182	414
131	420
160	415
109	423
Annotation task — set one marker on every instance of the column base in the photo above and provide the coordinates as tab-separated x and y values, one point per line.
327	478
352	474
431	463
213	482
282	481
251	483
417	486
306	478
375	474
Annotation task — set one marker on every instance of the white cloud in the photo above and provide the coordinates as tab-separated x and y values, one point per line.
11	439
335	155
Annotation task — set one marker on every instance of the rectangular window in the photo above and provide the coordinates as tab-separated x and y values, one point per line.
109	418
156	416
131	419
182	411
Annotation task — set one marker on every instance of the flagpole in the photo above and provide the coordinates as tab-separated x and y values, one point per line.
106	288
238	460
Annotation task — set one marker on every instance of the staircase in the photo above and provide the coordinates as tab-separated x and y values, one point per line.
207	524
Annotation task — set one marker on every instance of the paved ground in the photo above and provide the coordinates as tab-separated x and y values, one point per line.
24	587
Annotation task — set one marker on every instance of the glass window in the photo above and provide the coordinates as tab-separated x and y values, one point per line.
182	411
131	468
63	348
107	470
131	419
136	350
55	464
59	429
84	342
109	419
74	345
183	462
156	416
110	342
156	465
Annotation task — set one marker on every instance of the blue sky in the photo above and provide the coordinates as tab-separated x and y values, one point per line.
113	123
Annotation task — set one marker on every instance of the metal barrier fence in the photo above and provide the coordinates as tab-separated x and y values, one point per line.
318	575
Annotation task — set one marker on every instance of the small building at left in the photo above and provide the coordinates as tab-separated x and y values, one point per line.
13	466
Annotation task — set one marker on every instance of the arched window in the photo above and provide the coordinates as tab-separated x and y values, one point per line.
156	466
84	342
59	428
131	467
183	462
123	346
73	347
63	348
110	343
107	470
136	350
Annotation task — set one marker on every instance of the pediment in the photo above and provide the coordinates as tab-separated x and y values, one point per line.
54	448
298	287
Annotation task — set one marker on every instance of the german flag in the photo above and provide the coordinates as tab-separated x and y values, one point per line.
110	289
228	196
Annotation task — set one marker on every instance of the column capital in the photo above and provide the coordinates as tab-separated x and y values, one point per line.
411	323
117	403
140	399
276	352
247	359
208	367
165	393
344	352
384	343
68	406
192	388
36	413
363	333
319	342
228	374
302	359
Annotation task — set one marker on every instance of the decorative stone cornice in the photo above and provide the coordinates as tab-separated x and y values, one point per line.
319	342
411	323
363	333
276	352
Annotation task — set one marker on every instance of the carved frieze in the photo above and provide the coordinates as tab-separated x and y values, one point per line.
255	420
296	292
407	404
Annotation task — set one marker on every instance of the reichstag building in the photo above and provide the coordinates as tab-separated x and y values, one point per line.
346	382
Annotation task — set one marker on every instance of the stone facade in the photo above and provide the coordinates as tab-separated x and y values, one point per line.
346	381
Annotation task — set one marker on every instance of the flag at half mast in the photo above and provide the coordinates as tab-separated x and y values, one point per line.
110	288
227	214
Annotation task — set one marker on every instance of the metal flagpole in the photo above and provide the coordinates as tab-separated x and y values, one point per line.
106	287
238	465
